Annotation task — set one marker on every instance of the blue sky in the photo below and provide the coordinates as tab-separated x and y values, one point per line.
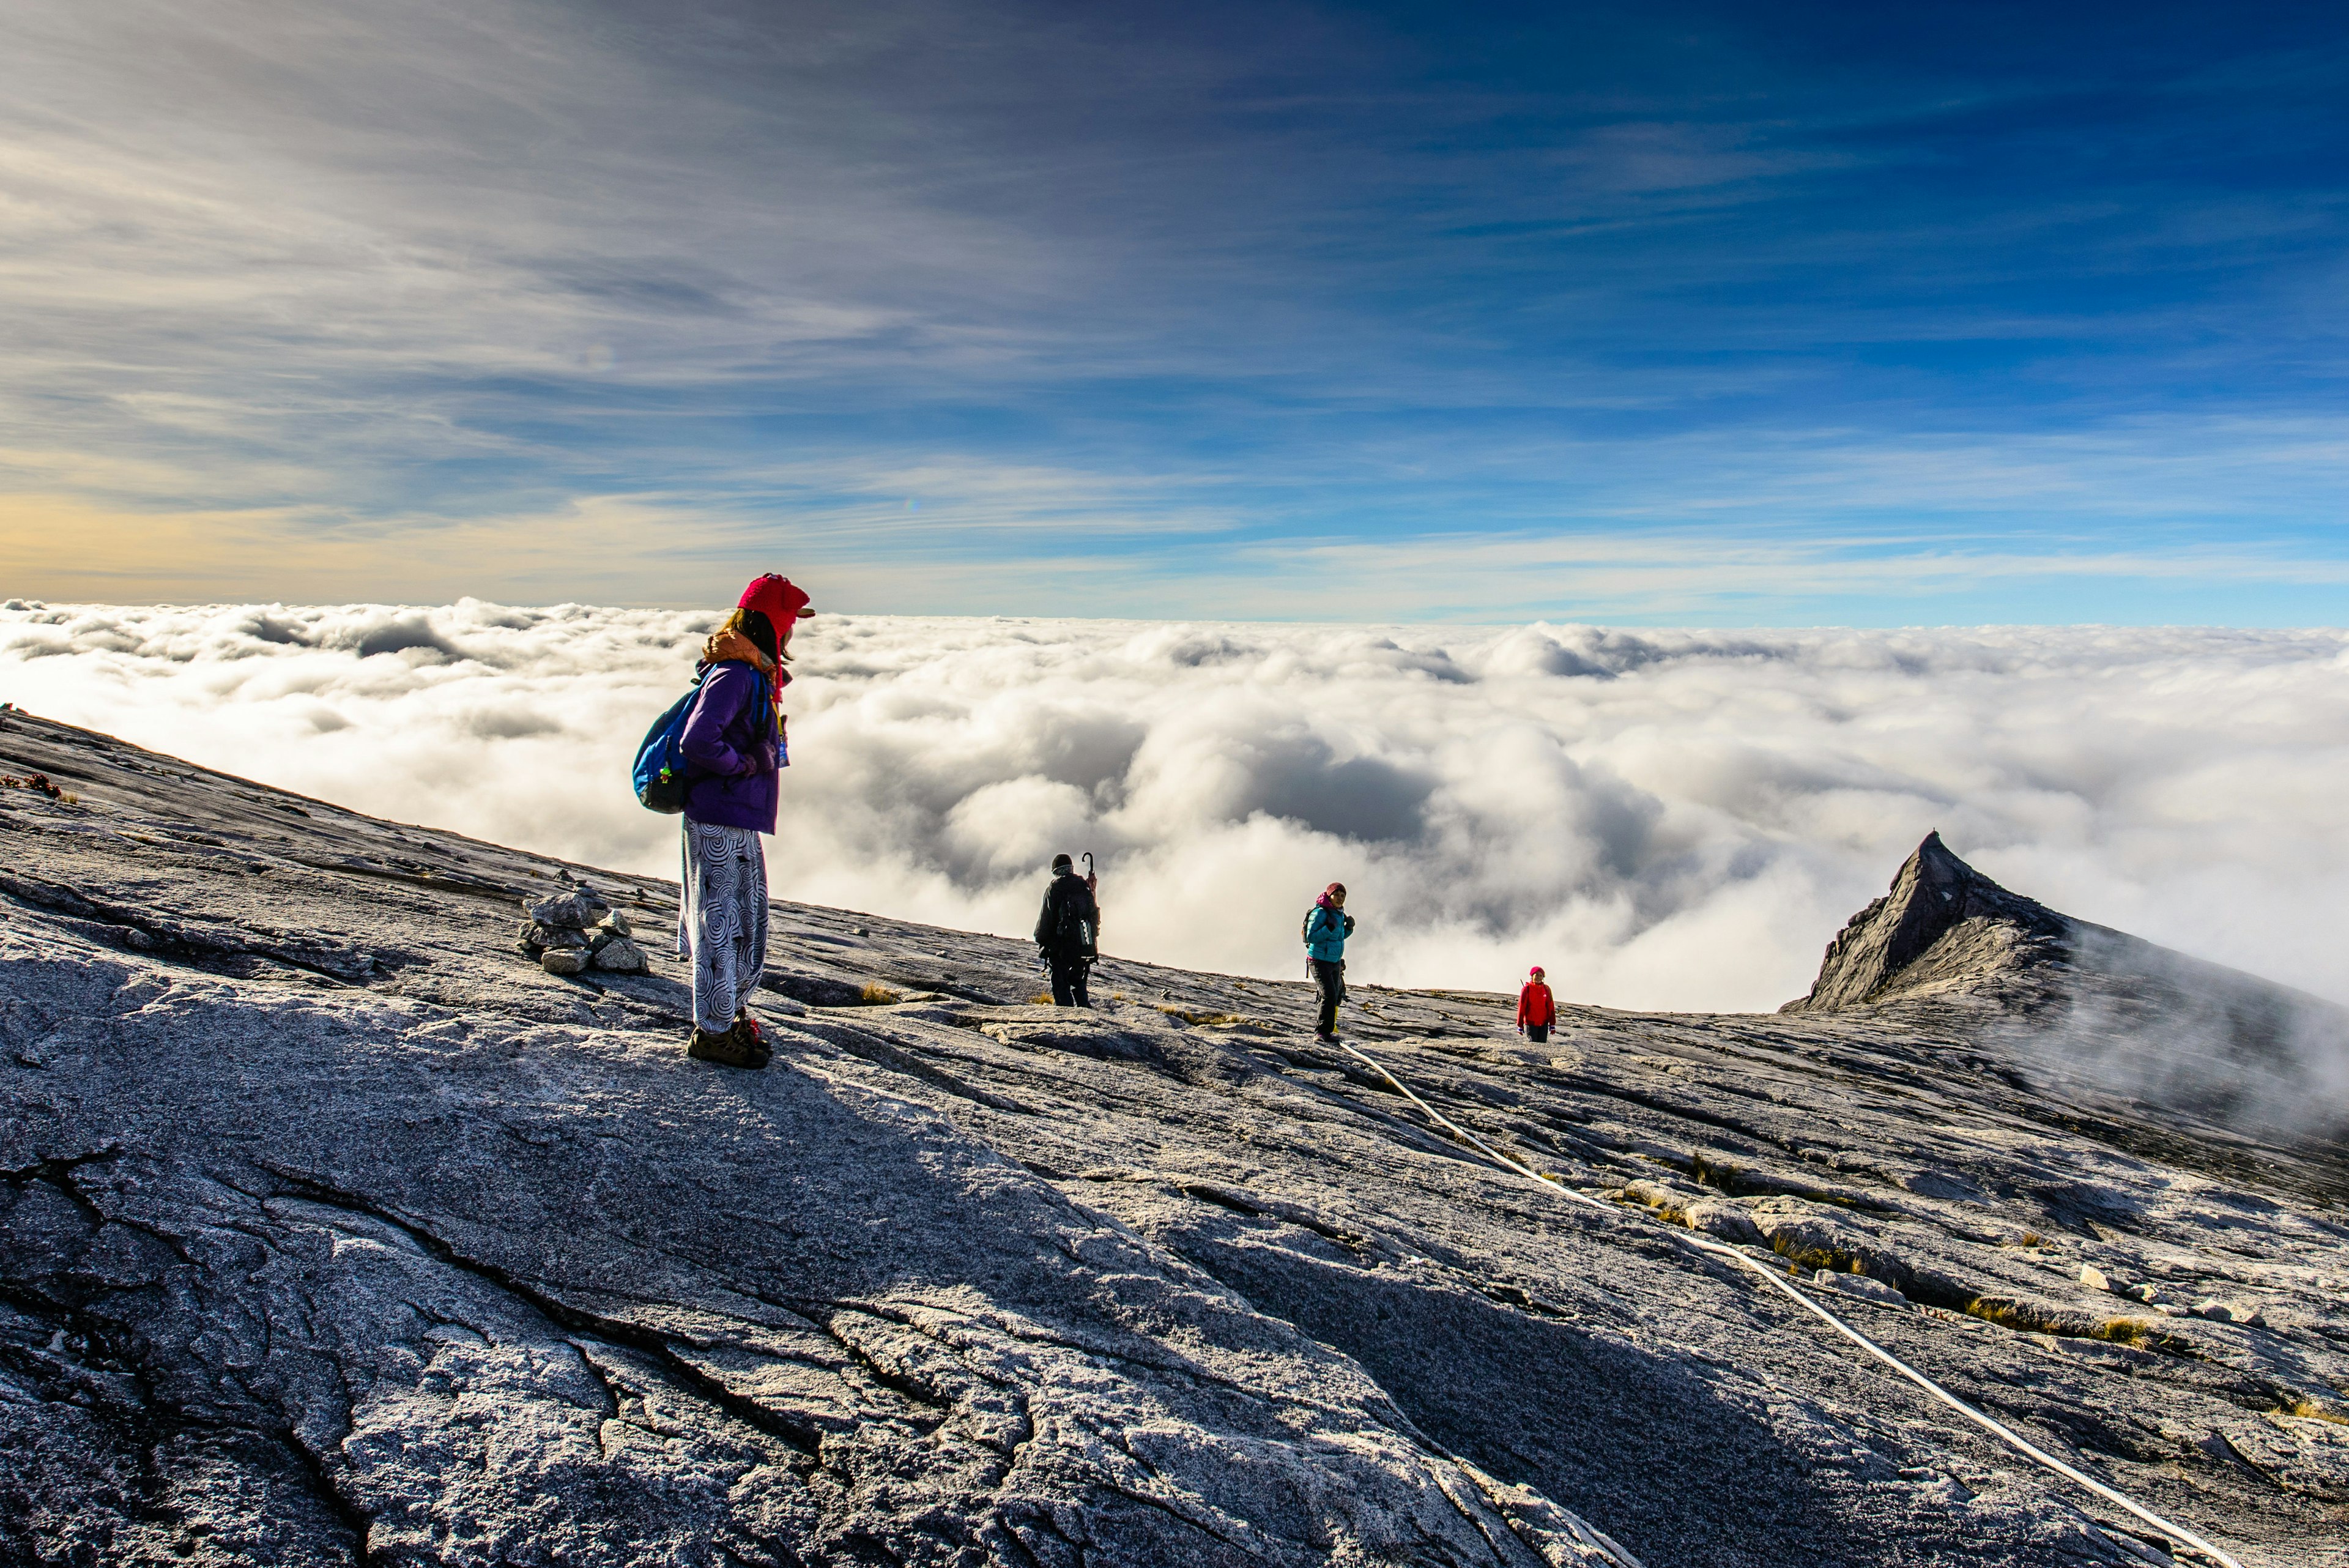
1682	314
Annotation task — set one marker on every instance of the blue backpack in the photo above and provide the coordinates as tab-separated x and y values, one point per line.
661	774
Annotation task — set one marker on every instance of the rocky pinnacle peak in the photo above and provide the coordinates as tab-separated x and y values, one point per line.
1942	923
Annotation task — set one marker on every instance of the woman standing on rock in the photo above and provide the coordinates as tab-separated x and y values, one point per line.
732	740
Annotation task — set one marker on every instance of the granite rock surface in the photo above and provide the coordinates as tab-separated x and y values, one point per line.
334	1230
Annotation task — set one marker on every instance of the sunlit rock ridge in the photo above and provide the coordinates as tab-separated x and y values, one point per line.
334	1230
2093	1008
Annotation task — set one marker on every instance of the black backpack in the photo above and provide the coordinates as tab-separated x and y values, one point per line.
1073	934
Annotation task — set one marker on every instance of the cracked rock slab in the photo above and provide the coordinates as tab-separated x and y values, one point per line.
332	1229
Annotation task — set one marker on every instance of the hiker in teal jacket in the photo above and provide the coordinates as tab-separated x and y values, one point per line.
1326	926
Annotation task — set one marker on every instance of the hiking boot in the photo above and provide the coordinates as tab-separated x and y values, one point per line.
730	1046
753	1036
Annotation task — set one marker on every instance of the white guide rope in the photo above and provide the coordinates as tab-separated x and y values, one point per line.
2015	1440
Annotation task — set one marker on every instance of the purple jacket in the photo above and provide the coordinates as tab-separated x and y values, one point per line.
730	739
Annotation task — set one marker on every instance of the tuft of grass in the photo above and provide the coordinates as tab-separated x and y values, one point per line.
1207	1020
2034	1317
1810	1259
876	994
2031	1238
1713	1172
2316	1410
2127	1331
2023	1317
1042	999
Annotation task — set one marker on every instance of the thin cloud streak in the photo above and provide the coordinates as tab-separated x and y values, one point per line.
955	553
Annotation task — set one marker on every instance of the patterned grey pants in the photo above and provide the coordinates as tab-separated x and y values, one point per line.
722	926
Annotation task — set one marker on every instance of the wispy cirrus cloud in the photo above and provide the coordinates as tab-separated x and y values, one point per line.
1035	293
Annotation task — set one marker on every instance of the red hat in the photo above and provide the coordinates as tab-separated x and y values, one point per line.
779	602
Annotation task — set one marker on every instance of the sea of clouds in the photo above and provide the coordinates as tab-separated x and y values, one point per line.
1665	819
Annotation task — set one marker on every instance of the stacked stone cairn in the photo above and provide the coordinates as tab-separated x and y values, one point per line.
574	930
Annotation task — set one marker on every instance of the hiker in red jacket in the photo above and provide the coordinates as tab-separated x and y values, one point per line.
1536	1008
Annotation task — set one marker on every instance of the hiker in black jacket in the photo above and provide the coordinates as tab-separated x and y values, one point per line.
1065	932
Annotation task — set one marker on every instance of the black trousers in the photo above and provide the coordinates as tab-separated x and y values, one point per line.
1330	980
1068	980
1537	1033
